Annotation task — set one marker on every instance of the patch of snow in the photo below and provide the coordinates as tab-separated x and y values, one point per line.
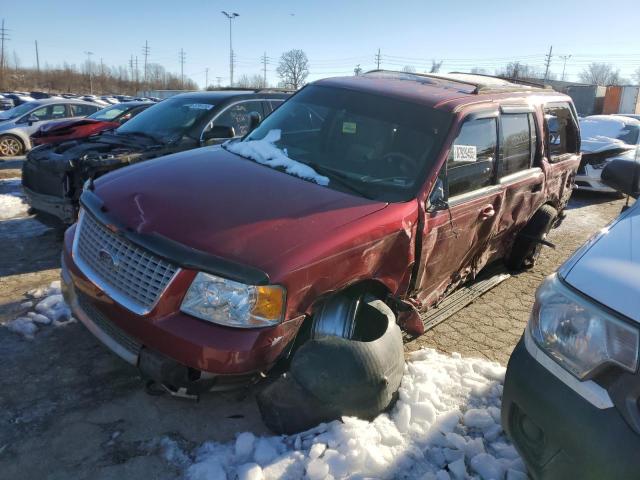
265	152
12	205
604	132
14	222
445	425
50	309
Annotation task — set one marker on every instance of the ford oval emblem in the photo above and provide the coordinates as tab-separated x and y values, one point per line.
108	260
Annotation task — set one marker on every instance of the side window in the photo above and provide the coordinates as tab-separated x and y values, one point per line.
42	113
58	111
516	135
471	161
83	110
237	116
561	131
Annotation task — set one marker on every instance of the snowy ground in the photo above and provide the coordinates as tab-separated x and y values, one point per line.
12	202
445	425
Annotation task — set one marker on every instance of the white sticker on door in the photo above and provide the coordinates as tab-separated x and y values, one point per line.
464	153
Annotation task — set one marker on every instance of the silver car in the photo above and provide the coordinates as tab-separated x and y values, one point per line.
18	123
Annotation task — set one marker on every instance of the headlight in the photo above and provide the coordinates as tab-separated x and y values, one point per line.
234	304
578	334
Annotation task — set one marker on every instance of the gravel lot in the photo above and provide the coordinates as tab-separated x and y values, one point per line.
71	409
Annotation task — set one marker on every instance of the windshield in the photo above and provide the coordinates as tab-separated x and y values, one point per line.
18	111
170	119
109	113
365	144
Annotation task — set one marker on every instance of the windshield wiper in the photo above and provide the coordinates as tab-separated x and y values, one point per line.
340	177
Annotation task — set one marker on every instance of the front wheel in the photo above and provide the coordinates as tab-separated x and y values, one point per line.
10	146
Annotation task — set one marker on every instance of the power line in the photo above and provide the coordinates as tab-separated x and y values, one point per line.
182	60
378	58
4	36
564	63
548	62
145	51
265	60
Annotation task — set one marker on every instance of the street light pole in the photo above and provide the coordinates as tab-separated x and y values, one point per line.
564	64
230	16
88	54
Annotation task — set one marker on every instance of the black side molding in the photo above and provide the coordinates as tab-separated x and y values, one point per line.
173	251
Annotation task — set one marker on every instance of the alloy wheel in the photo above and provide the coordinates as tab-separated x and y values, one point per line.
10	147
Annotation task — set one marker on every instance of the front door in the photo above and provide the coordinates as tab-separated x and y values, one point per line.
455	238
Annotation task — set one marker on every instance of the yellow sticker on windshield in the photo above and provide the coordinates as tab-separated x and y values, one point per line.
349	127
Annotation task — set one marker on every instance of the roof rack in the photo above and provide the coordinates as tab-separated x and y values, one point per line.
517	81
247	89
478	87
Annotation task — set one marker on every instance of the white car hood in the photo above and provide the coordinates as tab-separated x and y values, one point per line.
608	269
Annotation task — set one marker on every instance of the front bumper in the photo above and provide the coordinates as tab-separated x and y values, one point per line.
559	433
60	207
207	350
588	179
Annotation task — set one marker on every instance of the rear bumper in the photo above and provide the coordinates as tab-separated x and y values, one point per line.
209	349
559	434
62	208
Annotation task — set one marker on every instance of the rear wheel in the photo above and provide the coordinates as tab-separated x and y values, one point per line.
10	146
527	245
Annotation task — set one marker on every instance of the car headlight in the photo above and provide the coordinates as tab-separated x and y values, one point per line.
580	335
234	304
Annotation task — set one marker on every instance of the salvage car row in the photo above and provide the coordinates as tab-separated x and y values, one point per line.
315	230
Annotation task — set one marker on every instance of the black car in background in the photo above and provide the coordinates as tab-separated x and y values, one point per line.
53	175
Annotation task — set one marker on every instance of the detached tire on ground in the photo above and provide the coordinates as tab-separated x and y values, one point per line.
526	247
333	376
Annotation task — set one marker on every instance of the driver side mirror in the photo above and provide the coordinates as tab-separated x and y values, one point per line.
31	119
219	132
623	176
254	120
437	199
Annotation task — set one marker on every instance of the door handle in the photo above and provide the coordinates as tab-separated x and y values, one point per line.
487	212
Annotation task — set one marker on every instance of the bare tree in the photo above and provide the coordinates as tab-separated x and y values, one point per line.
479	71
251	81
357	71
600	74
636	75
408	69
435	66
518	70
293	68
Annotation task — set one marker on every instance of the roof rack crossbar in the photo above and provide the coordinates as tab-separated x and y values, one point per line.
508	79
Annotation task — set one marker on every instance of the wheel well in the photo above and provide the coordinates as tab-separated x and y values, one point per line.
17	137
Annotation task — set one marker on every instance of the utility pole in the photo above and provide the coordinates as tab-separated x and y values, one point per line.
182	59
137	71
265	59
88	54
37	59
219	80
548	62
131	66
378	58
3	37
206	78
564	63
145	52
230	16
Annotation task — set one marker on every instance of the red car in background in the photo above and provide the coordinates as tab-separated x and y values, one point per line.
106	119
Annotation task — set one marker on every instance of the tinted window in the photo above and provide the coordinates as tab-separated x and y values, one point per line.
237	116
365	144
515	142
472	156
83	110
109	113
50	112
562	132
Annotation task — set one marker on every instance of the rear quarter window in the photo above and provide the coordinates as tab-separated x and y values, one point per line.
561	130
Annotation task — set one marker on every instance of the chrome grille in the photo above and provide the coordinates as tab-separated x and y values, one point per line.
132	276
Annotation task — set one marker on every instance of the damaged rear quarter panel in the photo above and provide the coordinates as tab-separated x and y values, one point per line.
378	247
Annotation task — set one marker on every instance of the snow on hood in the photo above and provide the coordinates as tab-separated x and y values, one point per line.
265	152
445	425
603	132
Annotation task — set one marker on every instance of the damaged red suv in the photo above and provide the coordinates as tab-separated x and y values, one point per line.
207	267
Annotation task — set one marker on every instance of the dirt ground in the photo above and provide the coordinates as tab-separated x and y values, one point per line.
70	409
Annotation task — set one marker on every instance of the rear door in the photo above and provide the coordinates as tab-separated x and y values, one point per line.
455	239
519	175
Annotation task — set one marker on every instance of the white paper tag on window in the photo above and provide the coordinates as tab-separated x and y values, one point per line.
199	106
464	153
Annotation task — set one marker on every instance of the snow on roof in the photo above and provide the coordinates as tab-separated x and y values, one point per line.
265	152
604	132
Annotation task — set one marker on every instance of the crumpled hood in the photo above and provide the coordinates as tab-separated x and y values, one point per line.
609	270
225	205
52	127
104	148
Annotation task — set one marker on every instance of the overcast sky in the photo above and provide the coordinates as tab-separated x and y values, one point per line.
336	35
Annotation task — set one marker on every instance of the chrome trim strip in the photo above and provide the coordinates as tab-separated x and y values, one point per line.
523	174
115	295
481	192
589	390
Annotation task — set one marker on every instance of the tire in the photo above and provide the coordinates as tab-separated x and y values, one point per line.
332	376
11	146
526	248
